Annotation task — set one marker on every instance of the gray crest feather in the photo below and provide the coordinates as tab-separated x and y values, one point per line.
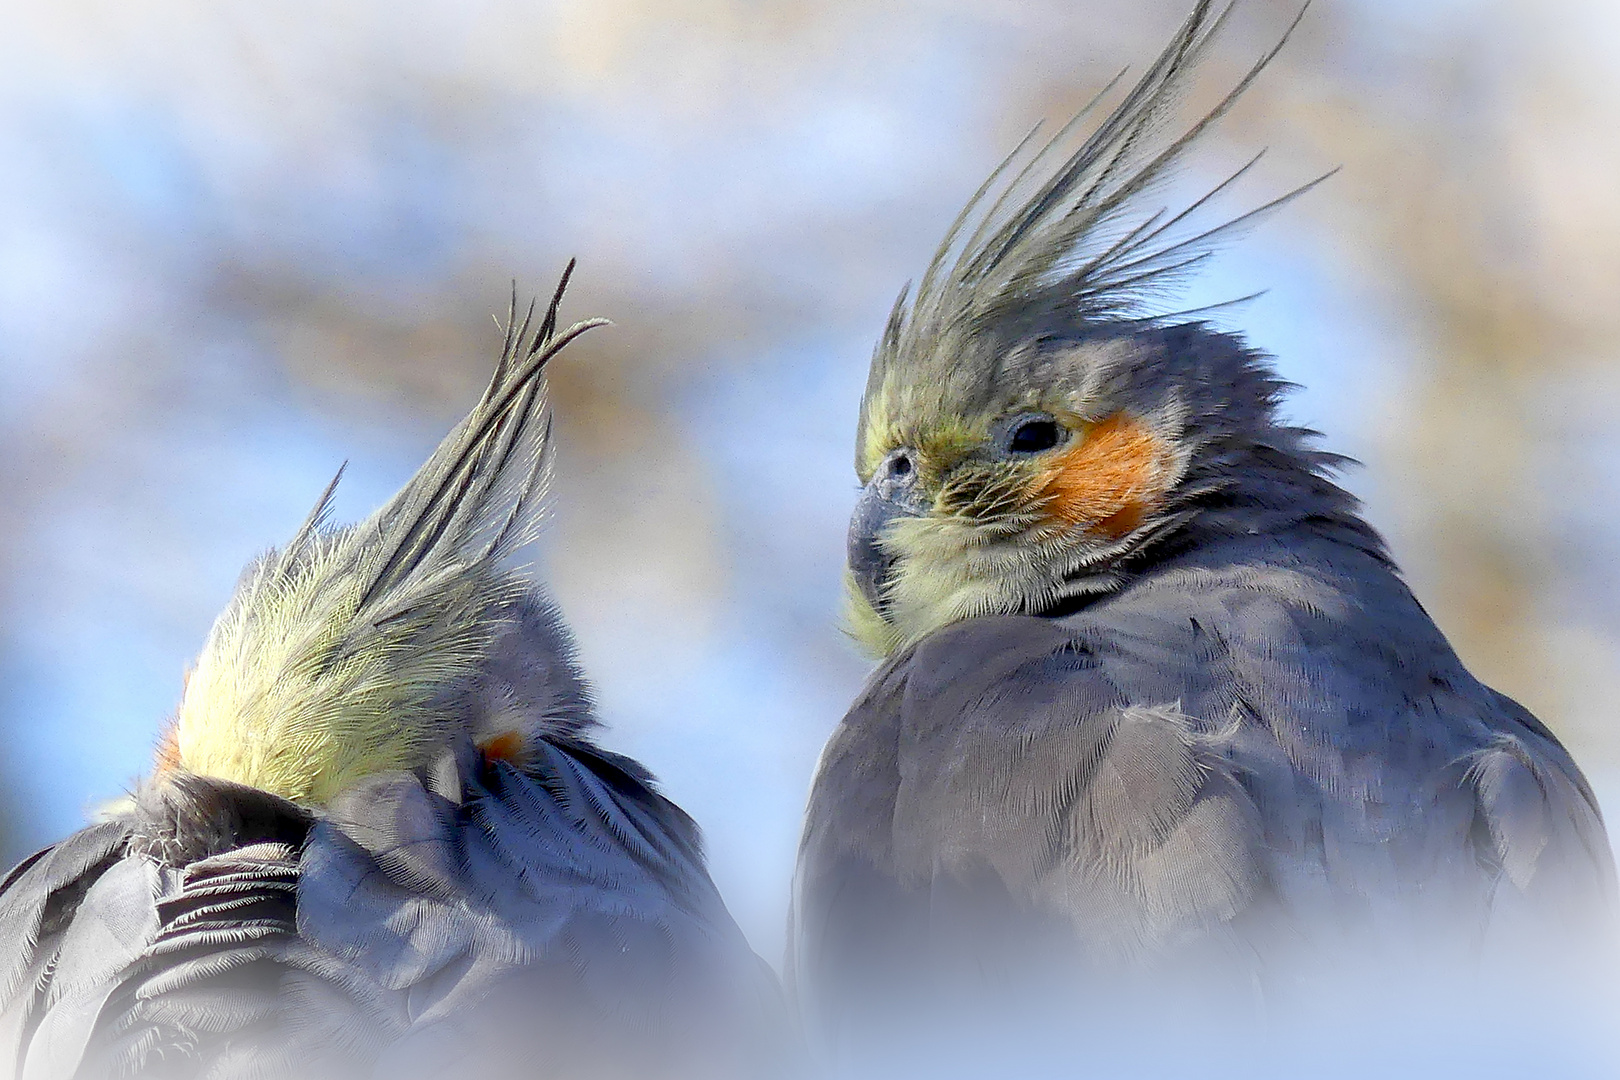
1065	232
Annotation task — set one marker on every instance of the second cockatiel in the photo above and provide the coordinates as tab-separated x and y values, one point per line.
1153	696
380	836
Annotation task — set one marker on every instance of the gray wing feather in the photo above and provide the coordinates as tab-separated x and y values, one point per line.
561	910
37	906
134	962
1544	834
32	900
1255	742
559	906
112	926
207	985
410	885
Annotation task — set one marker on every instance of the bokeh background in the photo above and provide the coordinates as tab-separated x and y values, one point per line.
241	243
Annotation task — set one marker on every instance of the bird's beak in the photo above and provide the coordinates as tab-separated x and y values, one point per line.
871	560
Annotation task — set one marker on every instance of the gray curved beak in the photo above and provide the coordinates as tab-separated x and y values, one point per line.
889	496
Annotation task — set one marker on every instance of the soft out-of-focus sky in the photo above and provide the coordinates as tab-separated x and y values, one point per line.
241	244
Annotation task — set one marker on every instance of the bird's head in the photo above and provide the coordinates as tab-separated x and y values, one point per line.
992	479
1026	432
382	645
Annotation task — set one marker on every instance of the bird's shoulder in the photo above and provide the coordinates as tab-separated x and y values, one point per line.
159	933
573	831
525	907
1162	639
1232	723
207	919
38	901
1310	666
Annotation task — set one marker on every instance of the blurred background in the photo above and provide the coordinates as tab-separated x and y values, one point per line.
242	243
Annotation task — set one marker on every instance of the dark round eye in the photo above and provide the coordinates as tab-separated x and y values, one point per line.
900	466
1033	436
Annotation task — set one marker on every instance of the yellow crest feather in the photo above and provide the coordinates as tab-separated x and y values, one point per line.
343	654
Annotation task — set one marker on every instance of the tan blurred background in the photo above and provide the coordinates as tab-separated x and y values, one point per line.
241	243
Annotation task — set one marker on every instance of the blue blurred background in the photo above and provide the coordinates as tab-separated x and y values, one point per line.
242	243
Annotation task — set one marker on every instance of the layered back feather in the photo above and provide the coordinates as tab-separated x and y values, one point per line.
1058	234
345	653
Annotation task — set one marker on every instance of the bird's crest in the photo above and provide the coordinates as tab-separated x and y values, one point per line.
342	653
1067	234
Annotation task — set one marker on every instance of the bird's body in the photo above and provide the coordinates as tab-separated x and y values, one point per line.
1262	738
488	919
1155	702
380	839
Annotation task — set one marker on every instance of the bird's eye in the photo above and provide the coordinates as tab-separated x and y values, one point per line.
1034	435
900	466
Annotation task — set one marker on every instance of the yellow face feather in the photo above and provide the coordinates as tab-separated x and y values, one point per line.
940	438
869	630
1000	533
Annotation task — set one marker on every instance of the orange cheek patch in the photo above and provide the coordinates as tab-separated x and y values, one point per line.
1109	481
507	746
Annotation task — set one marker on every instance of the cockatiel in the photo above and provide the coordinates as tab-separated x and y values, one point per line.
380	838
1153	697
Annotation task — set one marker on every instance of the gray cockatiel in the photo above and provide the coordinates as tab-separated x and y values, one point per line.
1153	696
380	839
